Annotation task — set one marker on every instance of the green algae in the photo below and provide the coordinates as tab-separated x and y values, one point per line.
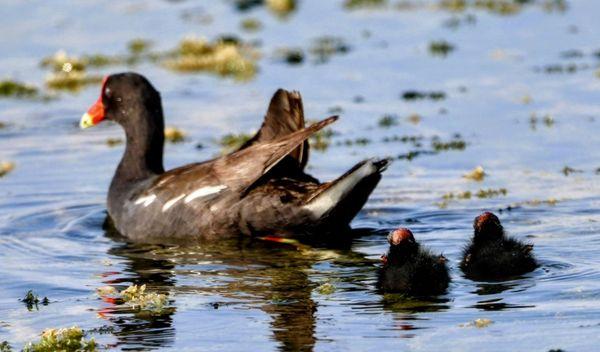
291	56
440	48
15	89
223	57
66	340
323	48
232	141
387	121
359	4
251	25
456	143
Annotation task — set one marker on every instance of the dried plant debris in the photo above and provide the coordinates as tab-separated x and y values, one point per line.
281	8
478	323
66	339
361	4
387	121
325	289
251	25
231	141
440	48
136	297
32	300
224	57
15	89
6	167
502	7
323	48
411	95
477	174
291	56
174	134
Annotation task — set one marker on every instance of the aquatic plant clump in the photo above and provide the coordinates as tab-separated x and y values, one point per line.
65	339
174	134
69	72
9	88
359	4
6	167
137	297
226	58
231	141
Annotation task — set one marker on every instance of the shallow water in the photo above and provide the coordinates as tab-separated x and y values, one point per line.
249	295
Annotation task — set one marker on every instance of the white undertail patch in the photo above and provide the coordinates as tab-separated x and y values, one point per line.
146	201
329	198
203	192
172	202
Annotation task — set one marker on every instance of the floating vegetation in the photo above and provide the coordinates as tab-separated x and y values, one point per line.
174	134
456	21
569	68
139	46
491	193
106	291
65	339
502	7
414	140
359	4
251	25
231	141
291	56
477	174
387	121
567	170
5	347
414	119
281	8
321	139
440	48
15	89
358	141
323	48
246	5
547	120
113	142
32	300
69	72
418	95
136	297
465	195
335	110
478	323
456	143
415	153
325	289
6	167
224	57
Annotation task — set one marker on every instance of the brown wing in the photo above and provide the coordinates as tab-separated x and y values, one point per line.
237	171
284	116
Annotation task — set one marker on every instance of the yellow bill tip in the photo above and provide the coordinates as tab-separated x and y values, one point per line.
86	121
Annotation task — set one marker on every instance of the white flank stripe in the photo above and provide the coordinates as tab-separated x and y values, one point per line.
171	202
146	200
203	192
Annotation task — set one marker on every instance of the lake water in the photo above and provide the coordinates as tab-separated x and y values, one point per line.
521	89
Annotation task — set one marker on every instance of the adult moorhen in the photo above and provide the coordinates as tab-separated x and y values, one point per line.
492	255
410	269
259	189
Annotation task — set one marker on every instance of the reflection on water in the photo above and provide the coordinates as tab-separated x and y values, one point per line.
513	88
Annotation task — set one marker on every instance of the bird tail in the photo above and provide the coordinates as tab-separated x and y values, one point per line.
338	201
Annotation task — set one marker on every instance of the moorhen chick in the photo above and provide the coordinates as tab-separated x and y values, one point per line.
410	269
492	255
259	189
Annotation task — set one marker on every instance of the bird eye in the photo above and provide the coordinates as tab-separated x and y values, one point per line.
107	92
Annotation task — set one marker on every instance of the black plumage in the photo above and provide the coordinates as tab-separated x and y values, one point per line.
492	255
259	189
410	269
